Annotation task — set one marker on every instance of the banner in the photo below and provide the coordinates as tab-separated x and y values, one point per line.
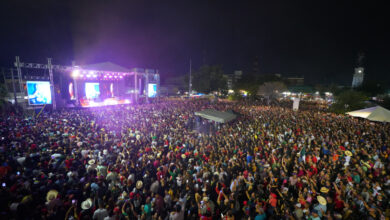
296	104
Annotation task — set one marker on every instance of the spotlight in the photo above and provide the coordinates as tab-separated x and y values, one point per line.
75	73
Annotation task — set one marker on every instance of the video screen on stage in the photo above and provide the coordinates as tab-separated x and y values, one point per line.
92	90
38	92
152	90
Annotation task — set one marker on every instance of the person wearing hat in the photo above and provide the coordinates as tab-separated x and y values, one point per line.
139	184
272	201
348	155
321	206
324	190
298	212
86	207
51	195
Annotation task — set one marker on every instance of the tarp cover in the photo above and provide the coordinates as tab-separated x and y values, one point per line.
376	113
215	115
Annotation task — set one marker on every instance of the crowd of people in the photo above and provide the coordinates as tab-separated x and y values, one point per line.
148	162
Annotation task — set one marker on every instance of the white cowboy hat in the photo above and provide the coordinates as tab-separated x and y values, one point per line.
87	204
321	200
139	184
52	194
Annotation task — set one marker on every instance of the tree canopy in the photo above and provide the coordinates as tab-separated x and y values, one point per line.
349	101
371	88
270	90
251	82
209	79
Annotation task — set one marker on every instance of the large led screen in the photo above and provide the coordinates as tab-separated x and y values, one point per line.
38	92
152	90
92	90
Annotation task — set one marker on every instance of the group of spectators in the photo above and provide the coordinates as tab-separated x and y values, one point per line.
147	162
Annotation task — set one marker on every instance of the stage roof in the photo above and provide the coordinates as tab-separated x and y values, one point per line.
106	66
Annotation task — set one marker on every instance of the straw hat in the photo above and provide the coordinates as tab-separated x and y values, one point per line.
321	200
139	184
52	194
87	204
183	156
348	153
92	161
324	190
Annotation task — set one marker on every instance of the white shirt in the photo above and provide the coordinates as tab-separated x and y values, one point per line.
100	214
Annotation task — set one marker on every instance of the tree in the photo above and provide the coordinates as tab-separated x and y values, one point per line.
371	88
386	102
270	90
3	92
250	82
349	101
209	79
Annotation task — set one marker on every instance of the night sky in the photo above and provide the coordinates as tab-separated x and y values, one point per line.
317	39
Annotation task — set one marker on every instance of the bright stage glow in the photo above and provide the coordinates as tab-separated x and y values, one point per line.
152	90
92	90
71	91
75	73
110	102
39	92
106	102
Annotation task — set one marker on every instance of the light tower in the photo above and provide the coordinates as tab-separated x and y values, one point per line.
358	77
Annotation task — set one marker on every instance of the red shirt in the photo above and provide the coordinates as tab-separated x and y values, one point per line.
68	163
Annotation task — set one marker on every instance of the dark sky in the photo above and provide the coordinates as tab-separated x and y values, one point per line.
317	39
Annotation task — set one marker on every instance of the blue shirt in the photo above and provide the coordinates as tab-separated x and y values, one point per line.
261	217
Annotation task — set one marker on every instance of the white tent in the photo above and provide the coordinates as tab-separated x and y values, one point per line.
376	113
215	115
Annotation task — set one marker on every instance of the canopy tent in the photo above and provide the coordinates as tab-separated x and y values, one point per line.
376	113
215	115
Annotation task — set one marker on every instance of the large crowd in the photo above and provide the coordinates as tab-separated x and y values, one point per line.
150	162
